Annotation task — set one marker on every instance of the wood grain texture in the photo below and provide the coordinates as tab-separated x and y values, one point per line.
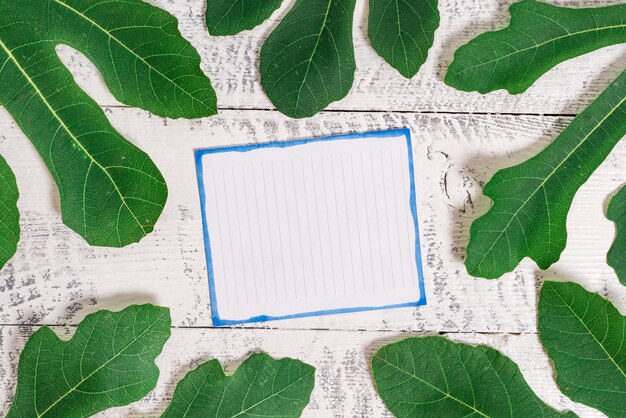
344	387
55	278
55	275
232	64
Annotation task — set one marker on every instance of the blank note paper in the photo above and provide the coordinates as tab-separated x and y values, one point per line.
310	227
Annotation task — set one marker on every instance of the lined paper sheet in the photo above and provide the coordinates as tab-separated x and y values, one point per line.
310	227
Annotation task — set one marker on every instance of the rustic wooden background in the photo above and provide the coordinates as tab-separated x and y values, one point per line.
460	140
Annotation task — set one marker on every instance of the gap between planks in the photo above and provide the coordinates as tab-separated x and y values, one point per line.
400	112
270	329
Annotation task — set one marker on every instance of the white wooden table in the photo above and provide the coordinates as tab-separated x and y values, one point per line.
460	140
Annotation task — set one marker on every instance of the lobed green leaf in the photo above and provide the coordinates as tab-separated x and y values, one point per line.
142	56
108	362
307	62
585	337
111	192
539	37
531	200
435	377
402	32
261	386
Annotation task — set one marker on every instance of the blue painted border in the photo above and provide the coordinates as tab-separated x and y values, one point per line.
219	321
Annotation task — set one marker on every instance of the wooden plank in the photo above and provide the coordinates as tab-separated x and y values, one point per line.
55	276
344	387
232	64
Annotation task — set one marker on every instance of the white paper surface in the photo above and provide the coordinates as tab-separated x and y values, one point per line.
298	229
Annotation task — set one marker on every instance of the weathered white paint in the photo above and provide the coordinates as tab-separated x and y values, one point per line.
55	275
55	278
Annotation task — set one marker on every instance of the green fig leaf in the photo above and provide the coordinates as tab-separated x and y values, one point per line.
261	387
539	37
402	32
617	254
229	17
435	377
9	215
137	47
111	192
108	362
307	62
585	337
531	200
